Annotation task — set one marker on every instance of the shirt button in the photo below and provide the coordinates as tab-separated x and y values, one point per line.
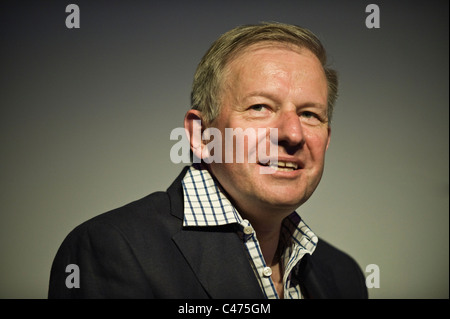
248	230
267	271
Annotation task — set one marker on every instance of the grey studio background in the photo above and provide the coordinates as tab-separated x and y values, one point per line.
86	116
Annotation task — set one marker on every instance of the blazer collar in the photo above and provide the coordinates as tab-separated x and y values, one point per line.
175	192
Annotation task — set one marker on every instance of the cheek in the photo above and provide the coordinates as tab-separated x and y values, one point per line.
317	145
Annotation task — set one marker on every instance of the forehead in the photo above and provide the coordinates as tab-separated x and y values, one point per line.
278	66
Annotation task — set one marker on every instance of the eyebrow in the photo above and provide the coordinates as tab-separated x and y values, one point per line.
261	94
274	97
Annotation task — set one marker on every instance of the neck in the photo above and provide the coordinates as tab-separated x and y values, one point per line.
267	228
268	240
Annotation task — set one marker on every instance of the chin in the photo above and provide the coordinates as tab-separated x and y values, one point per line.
285	202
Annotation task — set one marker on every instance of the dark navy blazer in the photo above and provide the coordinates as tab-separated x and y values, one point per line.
141	250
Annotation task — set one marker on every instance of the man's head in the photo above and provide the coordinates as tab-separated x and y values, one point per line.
209	77
261	77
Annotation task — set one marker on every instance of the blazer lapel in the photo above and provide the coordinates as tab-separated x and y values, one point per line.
314	282
215	254
217	257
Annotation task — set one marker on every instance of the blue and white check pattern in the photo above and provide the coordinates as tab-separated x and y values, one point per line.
206	205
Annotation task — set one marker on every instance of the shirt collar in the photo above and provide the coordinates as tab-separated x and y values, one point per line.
206	205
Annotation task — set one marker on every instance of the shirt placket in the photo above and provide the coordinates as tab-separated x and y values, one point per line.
259	265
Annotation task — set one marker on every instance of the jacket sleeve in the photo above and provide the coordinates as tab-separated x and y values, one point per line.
101	265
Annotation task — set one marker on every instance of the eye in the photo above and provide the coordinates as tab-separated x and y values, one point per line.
258	107
310	118
308	114
259	110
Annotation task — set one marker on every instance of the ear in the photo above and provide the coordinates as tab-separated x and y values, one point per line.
194	128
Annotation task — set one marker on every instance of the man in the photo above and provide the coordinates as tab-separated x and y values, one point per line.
228	228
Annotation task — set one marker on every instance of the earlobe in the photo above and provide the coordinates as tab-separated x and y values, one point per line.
193	126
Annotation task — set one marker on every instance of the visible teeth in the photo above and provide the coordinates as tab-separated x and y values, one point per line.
284	166
293	165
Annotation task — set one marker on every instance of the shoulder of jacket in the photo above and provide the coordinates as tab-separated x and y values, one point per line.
146	212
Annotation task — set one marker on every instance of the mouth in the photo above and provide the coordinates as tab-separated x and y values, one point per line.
283	166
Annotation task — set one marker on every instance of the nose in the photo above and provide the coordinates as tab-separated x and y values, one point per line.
290	132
